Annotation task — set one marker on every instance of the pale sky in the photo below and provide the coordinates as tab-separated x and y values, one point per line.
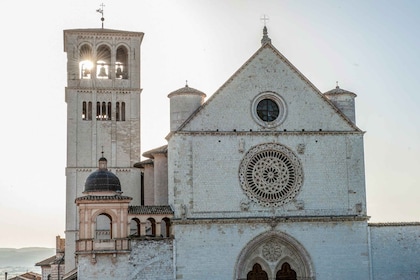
369	46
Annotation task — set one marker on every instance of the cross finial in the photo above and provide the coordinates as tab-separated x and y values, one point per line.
264	18
336	84
186	83
265	38
101	11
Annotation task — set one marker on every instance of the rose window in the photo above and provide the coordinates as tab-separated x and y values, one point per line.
271	174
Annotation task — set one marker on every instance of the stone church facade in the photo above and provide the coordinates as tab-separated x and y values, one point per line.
263	180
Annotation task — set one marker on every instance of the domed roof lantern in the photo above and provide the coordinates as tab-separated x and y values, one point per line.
102	179
183	102
344	101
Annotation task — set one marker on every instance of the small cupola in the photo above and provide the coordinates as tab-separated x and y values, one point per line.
102	180
344	101
183	102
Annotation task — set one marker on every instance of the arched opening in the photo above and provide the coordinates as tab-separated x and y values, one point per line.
288	259
151	227
120	111
84	110
135	227
286	273
103	227
85	62
109	112
257	273
103	61
165	227
121	63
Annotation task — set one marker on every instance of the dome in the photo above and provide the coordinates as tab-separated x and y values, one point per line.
102	179
187	91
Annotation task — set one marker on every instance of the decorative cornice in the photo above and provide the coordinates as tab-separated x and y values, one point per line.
269	220
266	133
394	224
103	32
103	197
163	209
105	90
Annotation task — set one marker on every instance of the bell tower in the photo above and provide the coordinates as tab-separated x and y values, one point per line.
103	114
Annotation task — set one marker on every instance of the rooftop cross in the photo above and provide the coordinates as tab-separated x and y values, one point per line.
265	38
264	18
101	11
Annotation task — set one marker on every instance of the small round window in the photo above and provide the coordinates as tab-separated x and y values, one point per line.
269	109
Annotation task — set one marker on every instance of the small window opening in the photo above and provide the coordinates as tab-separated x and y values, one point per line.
103	115
120	111
98	110
89	112
123	111
84	111
117	111
109	111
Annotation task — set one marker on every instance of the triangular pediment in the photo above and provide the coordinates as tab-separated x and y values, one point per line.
268	73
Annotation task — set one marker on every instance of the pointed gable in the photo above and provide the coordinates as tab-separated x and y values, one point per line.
268	75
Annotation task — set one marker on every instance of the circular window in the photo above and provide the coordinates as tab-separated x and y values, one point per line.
271	174
268	109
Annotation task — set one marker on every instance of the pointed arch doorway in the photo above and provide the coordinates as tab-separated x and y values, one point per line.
274	255
286	273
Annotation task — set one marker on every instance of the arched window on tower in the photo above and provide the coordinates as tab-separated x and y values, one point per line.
103	61
89	111
84	111
103	115
121	63
123	111
98	111
103	227
120	111
85	62
109	111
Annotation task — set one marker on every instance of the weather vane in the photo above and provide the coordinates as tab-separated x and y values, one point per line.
101	11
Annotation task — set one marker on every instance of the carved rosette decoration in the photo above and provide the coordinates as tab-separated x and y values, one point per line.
271	251
271	174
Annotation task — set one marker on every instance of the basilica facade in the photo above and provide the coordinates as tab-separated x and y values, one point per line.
265	179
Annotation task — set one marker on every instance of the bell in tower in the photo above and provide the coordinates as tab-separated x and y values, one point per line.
102	72
119	72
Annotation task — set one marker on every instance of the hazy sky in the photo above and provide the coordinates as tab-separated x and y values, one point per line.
371	47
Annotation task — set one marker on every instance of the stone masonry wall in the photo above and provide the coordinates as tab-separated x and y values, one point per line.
395	251
148	260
